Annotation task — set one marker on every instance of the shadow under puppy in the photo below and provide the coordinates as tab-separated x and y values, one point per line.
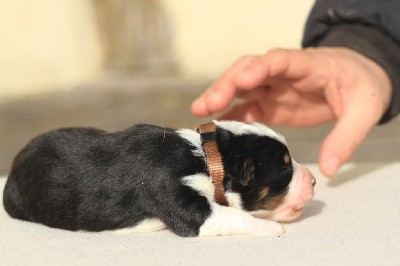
148	178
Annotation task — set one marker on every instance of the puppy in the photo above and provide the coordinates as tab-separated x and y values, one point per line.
149	178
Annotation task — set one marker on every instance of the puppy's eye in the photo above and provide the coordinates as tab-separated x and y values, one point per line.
286	169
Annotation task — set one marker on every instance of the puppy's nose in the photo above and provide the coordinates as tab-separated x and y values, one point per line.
313	180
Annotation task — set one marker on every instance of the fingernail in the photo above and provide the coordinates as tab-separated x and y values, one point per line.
332	166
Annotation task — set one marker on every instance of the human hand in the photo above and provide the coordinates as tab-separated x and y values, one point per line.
305	88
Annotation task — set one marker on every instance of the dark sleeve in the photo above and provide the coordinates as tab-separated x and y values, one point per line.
370	27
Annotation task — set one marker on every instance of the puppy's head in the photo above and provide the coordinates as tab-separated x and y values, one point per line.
259	167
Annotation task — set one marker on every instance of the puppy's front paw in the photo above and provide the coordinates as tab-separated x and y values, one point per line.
269	228
232	221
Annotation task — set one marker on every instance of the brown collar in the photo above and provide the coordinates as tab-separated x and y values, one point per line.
214	160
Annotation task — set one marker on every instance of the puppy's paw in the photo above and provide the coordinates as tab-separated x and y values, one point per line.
269	228
232	221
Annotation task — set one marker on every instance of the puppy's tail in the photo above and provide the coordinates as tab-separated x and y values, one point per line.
12	200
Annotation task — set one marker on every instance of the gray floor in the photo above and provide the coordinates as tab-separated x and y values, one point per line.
120	103
352	220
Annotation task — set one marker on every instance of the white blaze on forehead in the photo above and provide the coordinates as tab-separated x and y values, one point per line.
240	128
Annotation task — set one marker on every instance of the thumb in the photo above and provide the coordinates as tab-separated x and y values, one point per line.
344	139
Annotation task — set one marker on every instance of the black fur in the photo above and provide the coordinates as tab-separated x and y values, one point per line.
87	179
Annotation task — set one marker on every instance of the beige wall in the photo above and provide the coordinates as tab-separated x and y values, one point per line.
209	35
47	44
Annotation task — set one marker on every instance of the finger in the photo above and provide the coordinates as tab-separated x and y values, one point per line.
286	106
289	64
281	93
247	112
298	115
275	113
345	138
219	95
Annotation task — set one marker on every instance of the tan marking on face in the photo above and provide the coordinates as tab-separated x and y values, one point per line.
263	193
286	158
274	202
269	203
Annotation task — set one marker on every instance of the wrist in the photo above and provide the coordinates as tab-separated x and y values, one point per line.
373	44
384	89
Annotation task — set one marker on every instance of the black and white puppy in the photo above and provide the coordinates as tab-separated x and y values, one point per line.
149	178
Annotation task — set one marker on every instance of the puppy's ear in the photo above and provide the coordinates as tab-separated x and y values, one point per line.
247	172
